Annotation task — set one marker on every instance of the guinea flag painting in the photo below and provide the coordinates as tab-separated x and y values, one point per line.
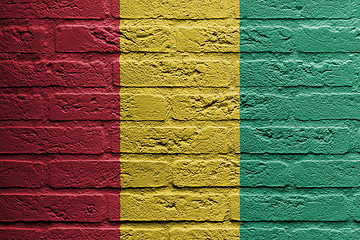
133	119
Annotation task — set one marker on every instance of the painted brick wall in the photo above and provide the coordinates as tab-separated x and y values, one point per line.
299	131
179	137
59	106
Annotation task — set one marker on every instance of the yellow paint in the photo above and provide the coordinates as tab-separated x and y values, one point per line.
180	149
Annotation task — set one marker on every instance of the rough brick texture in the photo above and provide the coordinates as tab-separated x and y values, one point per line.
21	107
24	39
73	208
39	140
77	9
22	174
84	174
58	104
183	91
299	133
178	74
58	73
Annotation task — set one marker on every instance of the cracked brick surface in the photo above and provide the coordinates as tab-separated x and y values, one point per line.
58	104
299	136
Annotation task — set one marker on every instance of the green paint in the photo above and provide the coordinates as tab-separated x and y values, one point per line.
300	112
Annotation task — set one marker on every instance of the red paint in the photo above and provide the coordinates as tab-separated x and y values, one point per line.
84	174
93	106
21	106
63	9
115	8
22	174
21	39
116	73
9	233
60	120
58	73
59	207
114	208
42	140
75	38
114	141
60	233
84	233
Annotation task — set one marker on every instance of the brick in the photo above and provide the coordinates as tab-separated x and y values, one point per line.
78	9
205	107
209	173
175	73
301	9
173	207
260	173
114	207
113	136
318	174
16	140
22	174
115	73
84	233
135	174
234	139
21	107
85	174
146	39
263	233
356	202
21	39
60	208
21	233
234	207
174	9
94	106
203	234
79	38
327	106
327	39
182	39
264	107
141	107
52	73
115	8
355	233
326	140
293	73
320	234
322	208
135	234
175	140
266	39
207	39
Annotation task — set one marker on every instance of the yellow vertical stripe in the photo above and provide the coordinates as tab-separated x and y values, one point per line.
179	69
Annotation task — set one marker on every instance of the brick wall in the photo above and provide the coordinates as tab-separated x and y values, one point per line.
59	106
299	131
179	137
